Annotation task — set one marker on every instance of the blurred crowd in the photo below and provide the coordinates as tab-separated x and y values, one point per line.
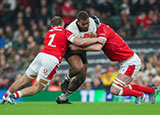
24	23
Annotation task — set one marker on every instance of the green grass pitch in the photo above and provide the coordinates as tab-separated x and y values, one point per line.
78	108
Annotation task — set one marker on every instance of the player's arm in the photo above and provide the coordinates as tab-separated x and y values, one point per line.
93	47
84	42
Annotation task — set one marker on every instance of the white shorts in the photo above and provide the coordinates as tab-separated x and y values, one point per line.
43	67
131	66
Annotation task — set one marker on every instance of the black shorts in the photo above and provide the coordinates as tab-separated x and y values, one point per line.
82	55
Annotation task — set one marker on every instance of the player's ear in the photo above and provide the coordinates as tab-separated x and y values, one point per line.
78	22
63	24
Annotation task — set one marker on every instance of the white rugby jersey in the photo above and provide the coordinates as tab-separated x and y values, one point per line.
74	29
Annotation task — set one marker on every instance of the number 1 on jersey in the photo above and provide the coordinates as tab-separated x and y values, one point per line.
51	40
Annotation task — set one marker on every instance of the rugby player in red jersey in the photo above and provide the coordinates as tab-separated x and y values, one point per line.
45	64
117	50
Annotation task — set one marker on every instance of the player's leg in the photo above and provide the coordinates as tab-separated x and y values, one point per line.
37	87
75	83
20	83
29	75
76	65
78	80
15	86
136	61
127	73
152	91
120	87
76	68
47	68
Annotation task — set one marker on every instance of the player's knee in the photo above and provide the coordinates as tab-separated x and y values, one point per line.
78	69
37	87
114	90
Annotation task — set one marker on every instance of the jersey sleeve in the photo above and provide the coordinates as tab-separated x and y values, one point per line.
70	36
101	34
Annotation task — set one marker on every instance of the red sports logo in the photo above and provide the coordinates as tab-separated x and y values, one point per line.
45	71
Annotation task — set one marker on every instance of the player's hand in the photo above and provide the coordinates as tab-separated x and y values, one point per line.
92	35
101	41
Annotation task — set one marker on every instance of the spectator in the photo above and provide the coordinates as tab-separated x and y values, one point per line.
125	9
149	70
68	12
96	72
8	33
107	7
28	16
156	81
141	6
43	15
107	19
97	83
5	83
59	4
109	76
2	41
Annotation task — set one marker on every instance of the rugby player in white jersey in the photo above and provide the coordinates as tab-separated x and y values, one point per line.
83	27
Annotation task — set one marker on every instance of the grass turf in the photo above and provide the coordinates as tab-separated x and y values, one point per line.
97	108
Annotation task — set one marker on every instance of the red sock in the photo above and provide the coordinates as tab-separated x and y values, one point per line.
148	90
17	94
130	92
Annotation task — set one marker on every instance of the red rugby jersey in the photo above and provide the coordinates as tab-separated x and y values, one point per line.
115	48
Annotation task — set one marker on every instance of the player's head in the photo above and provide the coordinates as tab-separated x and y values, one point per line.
57	21
83	20
96	20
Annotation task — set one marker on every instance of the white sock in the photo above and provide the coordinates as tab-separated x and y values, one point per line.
6	94
63	96
17	94
67	76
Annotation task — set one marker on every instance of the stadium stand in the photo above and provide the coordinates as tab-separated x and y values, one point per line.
24	23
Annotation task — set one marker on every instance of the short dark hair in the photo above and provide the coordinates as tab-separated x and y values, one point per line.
56	21
82	15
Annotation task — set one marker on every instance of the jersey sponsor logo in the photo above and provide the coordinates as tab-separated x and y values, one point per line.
86	35
45	71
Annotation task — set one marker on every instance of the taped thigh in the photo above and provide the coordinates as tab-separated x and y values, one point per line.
119	84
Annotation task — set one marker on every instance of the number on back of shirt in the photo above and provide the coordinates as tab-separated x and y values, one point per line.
52	36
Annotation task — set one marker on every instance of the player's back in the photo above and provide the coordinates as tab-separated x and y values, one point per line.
115	48
56	42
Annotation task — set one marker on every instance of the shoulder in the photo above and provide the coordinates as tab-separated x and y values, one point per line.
91	21
72	25
104	27
92	25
